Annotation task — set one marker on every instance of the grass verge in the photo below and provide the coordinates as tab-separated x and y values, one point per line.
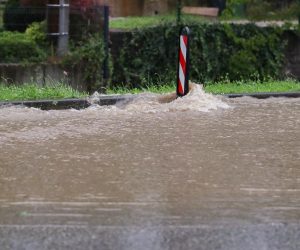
253	87
128	23
34	92
152	89
61	91
222	87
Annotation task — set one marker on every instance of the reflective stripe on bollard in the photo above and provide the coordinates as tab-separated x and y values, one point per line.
183	62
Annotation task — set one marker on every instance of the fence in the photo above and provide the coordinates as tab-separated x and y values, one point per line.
81	20
62	19
65	24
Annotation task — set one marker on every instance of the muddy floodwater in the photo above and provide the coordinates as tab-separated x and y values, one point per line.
201	172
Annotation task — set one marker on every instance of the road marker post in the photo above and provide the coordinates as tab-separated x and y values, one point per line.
183	62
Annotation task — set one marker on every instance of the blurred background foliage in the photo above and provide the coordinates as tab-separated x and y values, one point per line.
220	49
262	9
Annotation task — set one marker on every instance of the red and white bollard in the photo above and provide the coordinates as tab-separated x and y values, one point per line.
183	62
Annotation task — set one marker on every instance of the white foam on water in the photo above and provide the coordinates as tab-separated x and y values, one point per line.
198	100
195	100
94	98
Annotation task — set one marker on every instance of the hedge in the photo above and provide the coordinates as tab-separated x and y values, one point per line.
18	47
218	51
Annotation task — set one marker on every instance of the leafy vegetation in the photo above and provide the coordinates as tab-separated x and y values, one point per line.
262	9
18	47
218	51
37	33
30	46
34	92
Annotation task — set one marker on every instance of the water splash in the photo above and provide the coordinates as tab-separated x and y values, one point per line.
94	98
196	100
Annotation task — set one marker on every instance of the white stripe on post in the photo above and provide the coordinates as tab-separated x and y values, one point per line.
181	77
183	47
183	63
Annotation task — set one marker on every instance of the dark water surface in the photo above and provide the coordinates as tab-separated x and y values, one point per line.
192	174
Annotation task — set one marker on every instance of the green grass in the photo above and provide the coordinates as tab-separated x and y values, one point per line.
61	91
253	87
221	88
152	89
34	92
128	23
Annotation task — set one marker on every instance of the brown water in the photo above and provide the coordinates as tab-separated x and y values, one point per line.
197	161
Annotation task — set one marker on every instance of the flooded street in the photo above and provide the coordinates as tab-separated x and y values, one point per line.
192	174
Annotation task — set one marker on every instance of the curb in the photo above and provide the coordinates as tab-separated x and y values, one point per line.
113	99
265	95
67	103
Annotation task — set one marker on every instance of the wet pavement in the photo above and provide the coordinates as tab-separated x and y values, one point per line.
198	173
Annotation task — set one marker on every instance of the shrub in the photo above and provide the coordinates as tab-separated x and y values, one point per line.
18	47
37	33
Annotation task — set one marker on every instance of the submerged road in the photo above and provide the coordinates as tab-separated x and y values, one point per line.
210	174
